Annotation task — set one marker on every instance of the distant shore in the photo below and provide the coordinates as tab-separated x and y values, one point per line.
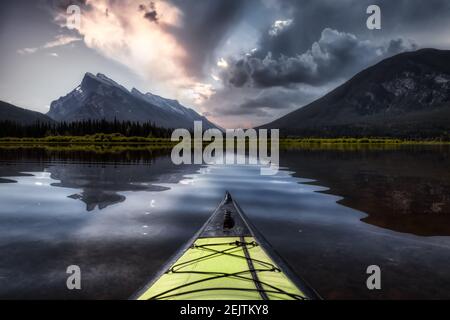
376	141
118	140
89	139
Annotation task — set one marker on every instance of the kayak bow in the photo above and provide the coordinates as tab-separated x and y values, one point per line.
227	259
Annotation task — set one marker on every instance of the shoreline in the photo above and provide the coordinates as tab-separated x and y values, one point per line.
360	141
143	141
161	144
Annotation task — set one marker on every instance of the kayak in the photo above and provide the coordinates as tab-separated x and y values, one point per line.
228	259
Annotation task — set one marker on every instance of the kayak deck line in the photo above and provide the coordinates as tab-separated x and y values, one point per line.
227	259
217	280
254	272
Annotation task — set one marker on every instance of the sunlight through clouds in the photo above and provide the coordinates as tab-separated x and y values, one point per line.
123	31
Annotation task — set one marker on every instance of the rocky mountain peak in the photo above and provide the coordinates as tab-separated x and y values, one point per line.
407	94
100	97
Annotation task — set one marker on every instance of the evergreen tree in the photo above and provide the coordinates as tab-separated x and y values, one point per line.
81	128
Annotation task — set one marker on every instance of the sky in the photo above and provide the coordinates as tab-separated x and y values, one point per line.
241	63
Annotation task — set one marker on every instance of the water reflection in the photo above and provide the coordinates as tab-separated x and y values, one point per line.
100	176
101	184
143	208
406	189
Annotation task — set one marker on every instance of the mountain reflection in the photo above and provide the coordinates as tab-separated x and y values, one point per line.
100	176
94	199
405	189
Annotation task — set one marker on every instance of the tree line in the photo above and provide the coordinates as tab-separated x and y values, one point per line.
81	128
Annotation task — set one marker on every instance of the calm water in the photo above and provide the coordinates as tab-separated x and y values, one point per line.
329	213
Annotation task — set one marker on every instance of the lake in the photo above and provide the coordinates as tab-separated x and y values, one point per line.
329	212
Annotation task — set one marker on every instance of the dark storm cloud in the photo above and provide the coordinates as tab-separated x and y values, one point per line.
310	17
321	44
206	25
239	73
295	55
335	55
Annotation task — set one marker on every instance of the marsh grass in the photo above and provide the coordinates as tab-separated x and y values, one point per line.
118	142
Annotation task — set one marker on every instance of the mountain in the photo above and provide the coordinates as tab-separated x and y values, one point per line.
12	113
99	97
407	95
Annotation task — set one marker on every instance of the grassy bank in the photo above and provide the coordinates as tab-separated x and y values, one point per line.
368	141
102	139
120	140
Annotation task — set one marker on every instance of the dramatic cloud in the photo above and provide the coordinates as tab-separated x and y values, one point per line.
241	62
421	20
335	55
178	46
169	43
206	24
267	87
121	31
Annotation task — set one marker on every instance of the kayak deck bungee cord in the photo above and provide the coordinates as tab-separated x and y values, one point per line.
228	259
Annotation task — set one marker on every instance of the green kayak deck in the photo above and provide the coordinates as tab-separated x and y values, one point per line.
226	260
